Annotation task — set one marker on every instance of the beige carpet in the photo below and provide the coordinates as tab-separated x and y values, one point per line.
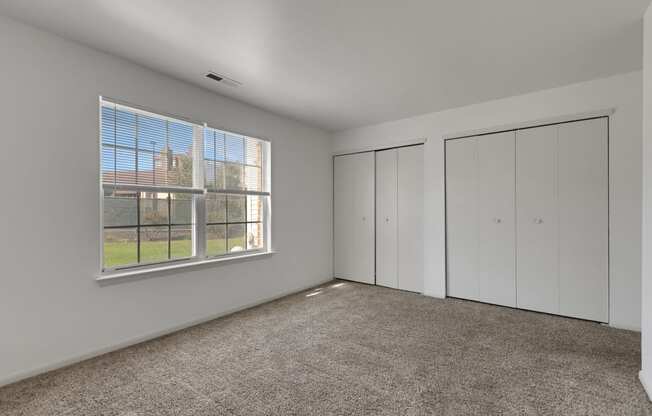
352	349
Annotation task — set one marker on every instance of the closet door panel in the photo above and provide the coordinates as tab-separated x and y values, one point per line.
410	218
462	215
353	217
343	215
363	224
386	218
537	220
496	219
583	219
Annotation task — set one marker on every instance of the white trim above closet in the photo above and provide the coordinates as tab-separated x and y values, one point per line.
393	145
607	112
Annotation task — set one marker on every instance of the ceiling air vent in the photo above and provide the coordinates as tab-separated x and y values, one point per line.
223	80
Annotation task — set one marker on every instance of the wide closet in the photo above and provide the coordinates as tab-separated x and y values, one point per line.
527	218
378	217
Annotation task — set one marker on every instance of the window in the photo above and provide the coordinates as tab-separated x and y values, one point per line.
174	190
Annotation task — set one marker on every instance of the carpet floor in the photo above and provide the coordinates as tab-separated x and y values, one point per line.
352	349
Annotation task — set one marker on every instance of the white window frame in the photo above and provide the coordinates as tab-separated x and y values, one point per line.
198	190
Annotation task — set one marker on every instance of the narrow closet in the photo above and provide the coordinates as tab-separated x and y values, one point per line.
378	217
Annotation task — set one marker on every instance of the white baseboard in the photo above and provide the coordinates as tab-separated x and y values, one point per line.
21	375
646	385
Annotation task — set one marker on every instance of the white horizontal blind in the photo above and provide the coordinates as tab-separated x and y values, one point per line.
140	148
154	179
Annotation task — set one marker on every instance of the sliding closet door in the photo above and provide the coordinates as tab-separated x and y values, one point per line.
410	218
386	218
462	205
353	207
537	219
583	220
496	219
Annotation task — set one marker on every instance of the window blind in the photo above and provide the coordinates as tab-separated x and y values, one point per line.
139	148
175	190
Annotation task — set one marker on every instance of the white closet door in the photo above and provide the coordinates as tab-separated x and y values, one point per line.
410	218
583	220
364	225
386	218
354	217
343	208
462	218
537	271
496	219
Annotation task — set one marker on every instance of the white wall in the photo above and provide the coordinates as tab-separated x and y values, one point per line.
52	311
621	92
646	275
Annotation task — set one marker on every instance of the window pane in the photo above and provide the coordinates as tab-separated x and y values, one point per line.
108	124
234	148
214	174
181	207
219	175
254	208
125	169
209	144
153	208
179	171
254	151
151	143
234	176
108	164
179	151
215	207
235	208
209	174
125	131
160	163
153	244
215	240
236	238
220	150
120	209
253	178
254	236
120	247
180	242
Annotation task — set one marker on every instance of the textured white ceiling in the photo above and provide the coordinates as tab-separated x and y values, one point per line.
345	63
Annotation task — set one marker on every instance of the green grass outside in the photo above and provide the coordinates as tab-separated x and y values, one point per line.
119	253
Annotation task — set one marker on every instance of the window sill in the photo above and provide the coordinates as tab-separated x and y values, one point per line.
105	277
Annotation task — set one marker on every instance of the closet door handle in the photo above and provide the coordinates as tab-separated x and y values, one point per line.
538	220
498	220
386	219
